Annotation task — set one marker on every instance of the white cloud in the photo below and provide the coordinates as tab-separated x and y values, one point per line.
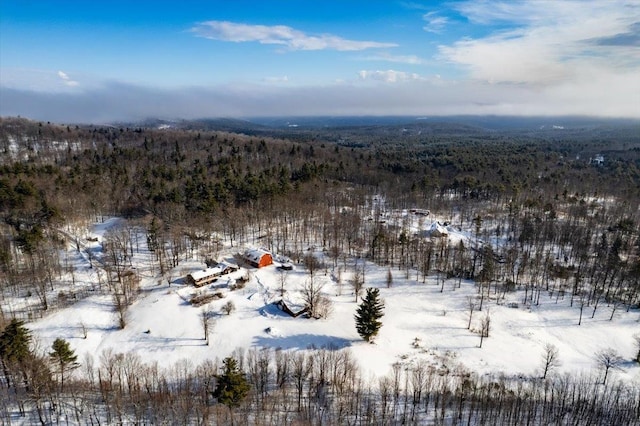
388	76
401	59
522	11
280	35
434	23
547	43
66	79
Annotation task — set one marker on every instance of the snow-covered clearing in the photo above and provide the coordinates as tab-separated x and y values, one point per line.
421	323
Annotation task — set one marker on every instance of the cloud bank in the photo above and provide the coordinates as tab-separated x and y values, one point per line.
388	76
382	93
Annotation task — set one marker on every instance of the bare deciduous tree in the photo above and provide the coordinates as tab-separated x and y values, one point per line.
121	310
608	359
550	359
300	370
282	280
206	320
311	263
357	282
485	326
324	307
472	307
583	301
228	307
334	254
338	278
316	303
83	328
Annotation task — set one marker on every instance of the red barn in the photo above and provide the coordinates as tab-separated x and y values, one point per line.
258	257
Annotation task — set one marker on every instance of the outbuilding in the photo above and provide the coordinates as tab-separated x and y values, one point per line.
204	276
291	308
209	275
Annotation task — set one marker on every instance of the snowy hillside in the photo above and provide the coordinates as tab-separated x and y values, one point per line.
423	322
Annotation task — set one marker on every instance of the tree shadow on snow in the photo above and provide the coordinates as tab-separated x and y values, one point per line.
302	341
153	342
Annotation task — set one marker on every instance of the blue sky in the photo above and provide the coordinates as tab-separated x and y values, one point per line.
110	60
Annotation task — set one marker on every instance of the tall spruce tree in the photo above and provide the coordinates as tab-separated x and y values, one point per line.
15	341
63	357
15	351
368	315
232	385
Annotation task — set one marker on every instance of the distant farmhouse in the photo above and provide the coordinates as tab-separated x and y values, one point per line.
436	230
258	258
209	275
598	160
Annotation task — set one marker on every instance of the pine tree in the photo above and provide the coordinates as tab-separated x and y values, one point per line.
15	349
14	342
368	315
63	357
232	385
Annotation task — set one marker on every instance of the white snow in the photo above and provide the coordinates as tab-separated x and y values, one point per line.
421	323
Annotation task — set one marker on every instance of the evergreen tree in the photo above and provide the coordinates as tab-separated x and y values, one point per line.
63	357
368	315
232	386
14	342
14	348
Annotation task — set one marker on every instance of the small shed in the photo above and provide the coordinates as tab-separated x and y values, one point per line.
291	308
258	258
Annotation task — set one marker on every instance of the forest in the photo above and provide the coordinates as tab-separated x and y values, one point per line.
551	213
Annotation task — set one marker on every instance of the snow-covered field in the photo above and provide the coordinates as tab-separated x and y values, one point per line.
421	323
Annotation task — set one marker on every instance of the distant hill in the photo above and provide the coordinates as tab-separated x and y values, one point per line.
360	129
436	124
220	124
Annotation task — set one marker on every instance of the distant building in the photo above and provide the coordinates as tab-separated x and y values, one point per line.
598	160
419	212
436	229
209	275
